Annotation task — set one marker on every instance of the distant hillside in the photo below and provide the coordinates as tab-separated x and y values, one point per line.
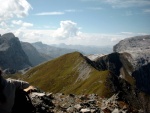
12	55
34	56
86	50
51	50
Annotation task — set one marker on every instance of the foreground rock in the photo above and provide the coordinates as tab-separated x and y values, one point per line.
61	103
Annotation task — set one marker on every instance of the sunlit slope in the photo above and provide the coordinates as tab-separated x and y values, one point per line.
70	73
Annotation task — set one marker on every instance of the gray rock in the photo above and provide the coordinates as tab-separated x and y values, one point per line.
78	106
45	104
139	49
12	55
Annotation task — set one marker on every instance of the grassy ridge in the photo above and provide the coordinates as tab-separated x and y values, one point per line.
62	75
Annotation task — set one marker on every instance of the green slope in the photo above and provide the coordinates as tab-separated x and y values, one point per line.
69	73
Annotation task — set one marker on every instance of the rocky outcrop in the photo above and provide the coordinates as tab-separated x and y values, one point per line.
34	56
129	44
138	50
109	62
11	54
61	103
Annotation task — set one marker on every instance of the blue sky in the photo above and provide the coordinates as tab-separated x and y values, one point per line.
84	22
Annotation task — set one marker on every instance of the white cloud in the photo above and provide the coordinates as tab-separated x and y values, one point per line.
13	8
128	3
34	35
67	29
131	34
70	10
3	25
81	39
124	3
57	12
95	39
127	33
49	13
21	23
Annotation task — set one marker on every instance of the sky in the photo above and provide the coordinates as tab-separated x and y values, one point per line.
76	22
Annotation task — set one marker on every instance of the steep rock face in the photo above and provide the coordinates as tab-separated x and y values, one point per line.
11	54
109	62
120	69
34	56
138	49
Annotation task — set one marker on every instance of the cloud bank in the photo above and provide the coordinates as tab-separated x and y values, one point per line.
21	23
69	33
13	8
49	13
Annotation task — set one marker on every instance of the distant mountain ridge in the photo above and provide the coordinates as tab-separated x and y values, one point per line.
34	56
86	50
51	50
11	53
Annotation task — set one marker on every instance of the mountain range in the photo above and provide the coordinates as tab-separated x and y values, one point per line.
51	51
33	54
86	50
125	71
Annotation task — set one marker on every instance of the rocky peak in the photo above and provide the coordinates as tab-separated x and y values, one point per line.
8	35
134	43
139	49
12	55
8	40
